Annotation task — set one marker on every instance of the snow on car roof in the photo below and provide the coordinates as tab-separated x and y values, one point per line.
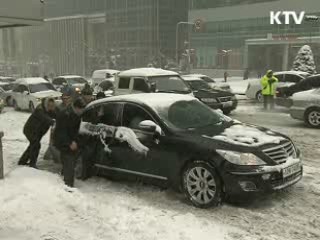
69	76
153	100
35	80
196	75
106	71
292	72
147	72
191	78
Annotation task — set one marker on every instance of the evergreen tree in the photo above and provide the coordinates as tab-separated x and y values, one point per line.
304	61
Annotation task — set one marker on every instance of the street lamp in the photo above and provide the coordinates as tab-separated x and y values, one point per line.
177	37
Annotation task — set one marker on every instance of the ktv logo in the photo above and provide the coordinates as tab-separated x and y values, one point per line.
286	17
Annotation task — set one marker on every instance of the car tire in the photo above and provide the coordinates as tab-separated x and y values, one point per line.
31	107
259	97
8	101
226	112
15	105
312	117
202	185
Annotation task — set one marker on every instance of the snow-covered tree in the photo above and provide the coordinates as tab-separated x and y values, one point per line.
304	61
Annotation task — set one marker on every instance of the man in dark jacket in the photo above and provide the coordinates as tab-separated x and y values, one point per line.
35	128
66	138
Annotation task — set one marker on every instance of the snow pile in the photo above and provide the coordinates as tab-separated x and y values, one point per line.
35	205
304	60
242	134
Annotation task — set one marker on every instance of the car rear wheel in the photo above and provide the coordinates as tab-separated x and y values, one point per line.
9	101
202	185
31	107
259	97
312	117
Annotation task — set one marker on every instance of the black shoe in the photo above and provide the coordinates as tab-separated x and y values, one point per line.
22	163
34	166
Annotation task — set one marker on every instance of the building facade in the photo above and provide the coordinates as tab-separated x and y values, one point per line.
80	36
237	34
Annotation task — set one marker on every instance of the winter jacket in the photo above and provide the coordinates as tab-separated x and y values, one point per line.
269	85
39	122
67	129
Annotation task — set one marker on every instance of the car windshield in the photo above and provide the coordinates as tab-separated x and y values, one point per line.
73	81
305	75
6	87
170	84
41	87
198	85
7	80
189	115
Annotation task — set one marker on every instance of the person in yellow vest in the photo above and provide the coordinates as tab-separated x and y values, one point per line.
268	85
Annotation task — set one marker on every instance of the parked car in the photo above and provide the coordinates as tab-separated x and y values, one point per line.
193	148
105	74
106	86
75	82
306	107
5	94
29	92
212	83
146	80
284	94
286	78
214	98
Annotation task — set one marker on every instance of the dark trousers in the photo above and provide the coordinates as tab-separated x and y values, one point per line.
31	153
268	100
88	155
69	160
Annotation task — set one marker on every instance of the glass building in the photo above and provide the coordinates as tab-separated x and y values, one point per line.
237	34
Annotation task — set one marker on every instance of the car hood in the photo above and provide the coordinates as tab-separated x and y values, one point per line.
211	94
309	95
236	136
45	94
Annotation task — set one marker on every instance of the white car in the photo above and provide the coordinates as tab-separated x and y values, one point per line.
77	83
286	79
212	83
104	74
306	107
29	92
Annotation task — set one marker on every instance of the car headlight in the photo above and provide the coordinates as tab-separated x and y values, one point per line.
239	158
209	100
78	90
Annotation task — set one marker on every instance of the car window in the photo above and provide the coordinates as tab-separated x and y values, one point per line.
198	85
292	78
124	83
170	84
133	115
108	114
208	80
280	77
41	87
140	84
73	81
20	89
58	81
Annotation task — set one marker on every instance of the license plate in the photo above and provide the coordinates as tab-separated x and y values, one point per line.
228	104
291	170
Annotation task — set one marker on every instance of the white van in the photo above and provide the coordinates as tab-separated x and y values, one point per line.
101	75
146	80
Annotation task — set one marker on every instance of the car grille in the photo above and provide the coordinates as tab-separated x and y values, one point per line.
280	183
280	153
225	99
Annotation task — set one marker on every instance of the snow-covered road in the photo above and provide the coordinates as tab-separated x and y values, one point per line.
35	205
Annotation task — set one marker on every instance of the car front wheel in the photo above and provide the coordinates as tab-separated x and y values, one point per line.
31	107
15	105
202	185
259	97
312	117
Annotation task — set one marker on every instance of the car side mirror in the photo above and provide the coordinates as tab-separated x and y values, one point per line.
150	126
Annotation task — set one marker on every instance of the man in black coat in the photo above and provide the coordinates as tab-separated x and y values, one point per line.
35	128
66	138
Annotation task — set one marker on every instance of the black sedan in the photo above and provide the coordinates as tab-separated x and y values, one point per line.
192	148
216	99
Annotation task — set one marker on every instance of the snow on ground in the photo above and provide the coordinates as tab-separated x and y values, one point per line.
237	84
35	205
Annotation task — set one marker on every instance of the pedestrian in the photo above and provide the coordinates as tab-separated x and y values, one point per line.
246	74
66	138
87	94
35	128
268	84
225	75
52	152
100	95
45	77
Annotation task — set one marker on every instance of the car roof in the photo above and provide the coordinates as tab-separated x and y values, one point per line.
197	75
191	78
6	78
68	76
152	100
112	71
147	72
291	72
27	81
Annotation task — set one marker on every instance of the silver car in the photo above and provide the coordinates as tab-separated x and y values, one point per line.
306	107
286	79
